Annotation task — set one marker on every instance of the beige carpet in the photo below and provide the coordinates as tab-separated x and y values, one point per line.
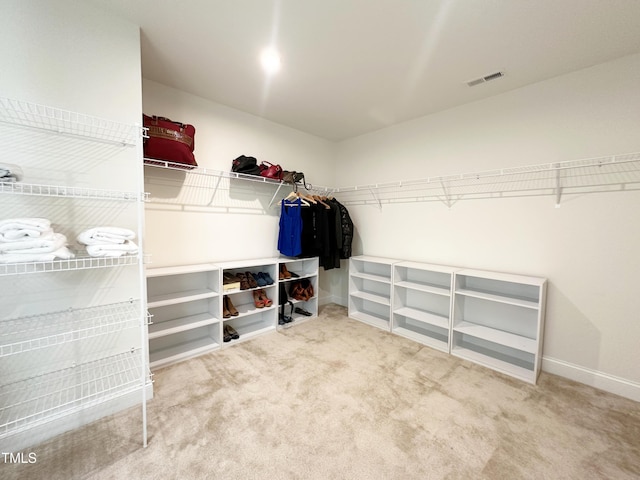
333	398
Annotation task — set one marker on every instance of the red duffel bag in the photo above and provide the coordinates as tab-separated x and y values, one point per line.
170	141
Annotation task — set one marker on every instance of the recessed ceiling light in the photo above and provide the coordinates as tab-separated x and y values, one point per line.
270	60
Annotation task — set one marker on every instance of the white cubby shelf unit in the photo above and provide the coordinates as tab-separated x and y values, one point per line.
73	345
422	298
303	268
370	281
251	320
498	321
490	318
184	303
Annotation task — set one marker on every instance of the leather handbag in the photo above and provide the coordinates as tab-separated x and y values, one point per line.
169	141
293	177
246	165
269	170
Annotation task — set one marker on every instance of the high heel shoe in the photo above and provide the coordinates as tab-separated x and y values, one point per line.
229	306
225	310
263	296
258	302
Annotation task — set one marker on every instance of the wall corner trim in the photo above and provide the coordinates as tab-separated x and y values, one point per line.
593	378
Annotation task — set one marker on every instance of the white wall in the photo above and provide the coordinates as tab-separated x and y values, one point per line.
587	248
184	225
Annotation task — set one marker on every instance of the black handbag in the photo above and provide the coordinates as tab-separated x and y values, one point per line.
245	165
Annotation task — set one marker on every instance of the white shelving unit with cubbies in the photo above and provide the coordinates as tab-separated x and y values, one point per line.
299	269
498	321
184	304
422	301
251	320
73	329
370	281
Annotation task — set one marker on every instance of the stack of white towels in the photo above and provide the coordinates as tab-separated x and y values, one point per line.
108	241
31	240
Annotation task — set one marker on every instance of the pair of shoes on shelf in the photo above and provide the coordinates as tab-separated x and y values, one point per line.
230	333
302	311
228	310
264	279
286	274
260	299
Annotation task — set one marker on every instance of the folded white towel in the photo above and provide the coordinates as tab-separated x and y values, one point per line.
115	250
106	235
16	228
62	253
49	243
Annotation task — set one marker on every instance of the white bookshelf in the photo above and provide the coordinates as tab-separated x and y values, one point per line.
370	281
302	268
498	321
422	296
251	321
184	304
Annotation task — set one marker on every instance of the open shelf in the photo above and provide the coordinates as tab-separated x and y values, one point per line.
372	297
180	297
20	188
169	327
520	302
371	319
182	351
78	263
41	331
424	288
43	398
64	122
372	277
424	317
511	340
503	364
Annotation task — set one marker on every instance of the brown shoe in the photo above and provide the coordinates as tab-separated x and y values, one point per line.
258	302
225	310
252	281
284	271
244	283
263	296
232	310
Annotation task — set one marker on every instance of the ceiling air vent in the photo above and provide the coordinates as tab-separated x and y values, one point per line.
487	78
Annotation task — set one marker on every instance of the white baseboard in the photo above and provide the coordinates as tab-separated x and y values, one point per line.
603	381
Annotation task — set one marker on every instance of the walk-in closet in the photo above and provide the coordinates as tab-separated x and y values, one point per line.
310	240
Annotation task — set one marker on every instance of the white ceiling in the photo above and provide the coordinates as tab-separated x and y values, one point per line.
354	66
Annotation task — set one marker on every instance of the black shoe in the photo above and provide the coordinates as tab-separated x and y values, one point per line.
303	312
232	331
227	336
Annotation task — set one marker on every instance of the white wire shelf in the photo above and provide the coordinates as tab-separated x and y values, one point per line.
592	175
34	332
71	192
55	120
78	263
43	398
216	182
